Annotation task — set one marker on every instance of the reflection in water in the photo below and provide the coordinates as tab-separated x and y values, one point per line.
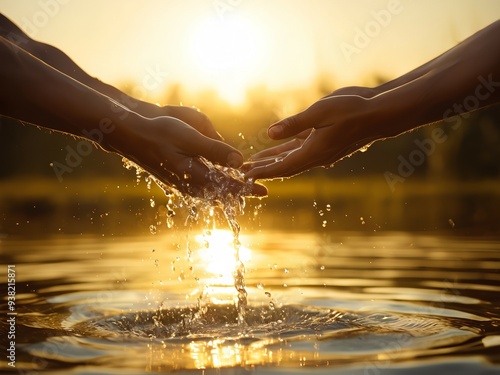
363	304
217	254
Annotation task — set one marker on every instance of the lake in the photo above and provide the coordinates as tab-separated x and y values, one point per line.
320	302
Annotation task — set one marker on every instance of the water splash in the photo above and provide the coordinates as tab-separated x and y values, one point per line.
218	195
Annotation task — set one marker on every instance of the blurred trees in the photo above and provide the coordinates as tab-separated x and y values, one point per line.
451	181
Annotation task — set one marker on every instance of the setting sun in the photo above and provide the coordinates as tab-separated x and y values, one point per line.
229	53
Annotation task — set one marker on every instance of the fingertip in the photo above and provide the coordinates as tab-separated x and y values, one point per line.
275	131
259	191
249	173
235	160
285	128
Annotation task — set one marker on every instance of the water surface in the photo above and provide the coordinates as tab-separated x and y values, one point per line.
326	303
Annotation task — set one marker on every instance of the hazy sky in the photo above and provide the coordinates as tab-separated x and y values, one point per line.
233	44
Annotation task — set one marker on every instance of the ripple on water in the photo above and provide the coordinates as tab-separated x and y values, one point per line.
270	324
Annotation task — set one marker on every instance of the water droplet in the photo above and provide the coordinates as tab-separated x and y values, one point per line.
328	207
267	294
271	305
365	147
323	224
152	202
451	222
152	229
170	222
322	268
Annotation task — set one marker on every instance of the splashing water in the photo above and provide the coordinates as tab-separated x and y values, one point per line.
216	195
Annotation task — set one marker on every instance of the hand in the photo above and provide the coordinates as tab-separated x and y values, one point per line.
172	150
327	131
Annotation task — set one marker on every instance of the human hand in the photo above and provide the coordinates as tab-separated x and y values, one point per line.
330	129
173	151
193	117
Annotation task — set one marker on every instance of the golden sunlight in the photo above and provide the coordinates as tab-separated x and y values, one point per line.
229	54
218	254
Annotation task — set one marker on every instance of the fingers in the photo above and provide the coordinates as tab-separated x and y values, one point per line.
210	183
276	168
258	190
190	175
216	151
288	127
287	164
196	119
277	150
197	173
315	116
221	153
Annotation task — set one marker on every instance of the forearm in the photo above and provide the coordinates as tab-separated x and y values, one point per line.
464	79
60	61
39	94
489	33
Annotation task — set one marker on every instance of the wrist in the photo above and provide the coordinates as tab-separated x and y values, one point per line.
117	133
393	112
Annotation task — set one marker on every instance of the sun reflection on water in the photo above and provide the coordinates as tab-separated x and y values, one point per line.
218	253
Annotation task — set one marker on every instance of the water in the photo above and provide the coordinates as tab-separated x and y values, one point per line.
223	194
201	299
318	302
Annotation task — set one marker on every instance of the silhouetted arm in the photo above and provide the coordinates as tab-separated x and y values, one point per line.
35	92
465	78
60	61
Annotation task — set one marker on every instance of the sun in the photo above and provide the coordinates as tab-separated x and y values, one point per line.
228	53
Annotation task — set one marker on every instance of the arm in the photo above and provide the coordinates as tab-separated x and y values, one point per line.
349	118
60	61
166	147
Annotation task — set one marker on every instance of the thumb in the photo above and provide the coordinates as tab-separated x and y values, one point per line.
316	116
291	126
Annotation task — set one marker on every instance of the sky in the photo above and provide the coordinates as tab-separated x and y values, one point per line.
232	45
